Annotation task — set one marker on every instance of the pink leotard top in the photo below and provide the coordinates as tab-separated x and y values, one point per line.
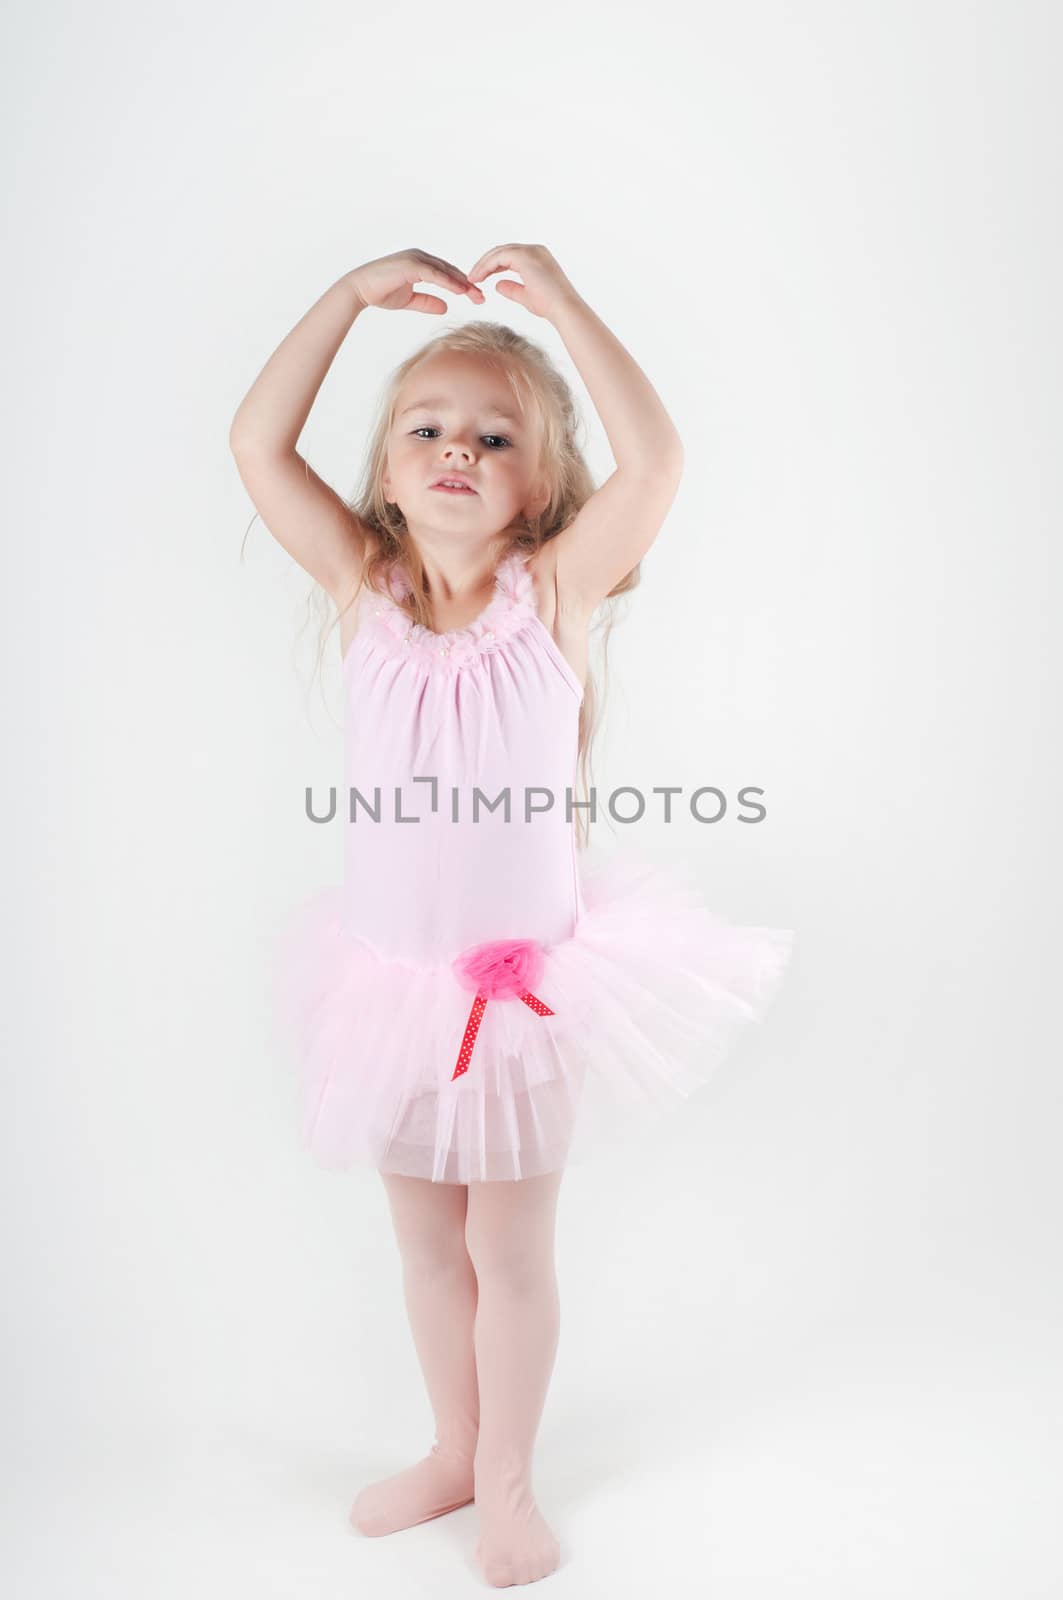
435	726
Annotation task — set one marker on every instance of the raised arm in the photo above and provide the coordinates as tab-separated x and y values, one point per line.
304	515
300	510
616	526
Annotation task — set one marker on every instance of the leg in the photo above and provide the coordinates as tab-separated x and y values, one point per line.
510	1237
440	1291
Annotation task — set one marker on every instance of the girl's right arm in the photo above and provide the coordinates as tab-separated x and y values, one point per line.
304	515
301	511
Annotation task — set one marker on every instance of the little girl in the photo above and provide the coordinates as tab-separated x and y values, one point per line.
473	1008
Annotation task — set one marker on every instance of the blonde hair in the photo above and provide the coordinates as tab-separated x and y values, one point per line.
538	386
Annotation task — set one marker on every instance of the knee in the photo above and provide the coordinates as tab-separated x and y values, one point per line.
432	1245
436	1253
516	1264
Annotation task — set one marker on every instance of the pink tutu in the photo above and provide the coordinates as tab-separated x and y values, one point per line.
517	1058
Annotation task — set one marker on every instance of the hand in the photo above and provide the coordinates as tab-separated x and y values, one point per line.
545	288
388	282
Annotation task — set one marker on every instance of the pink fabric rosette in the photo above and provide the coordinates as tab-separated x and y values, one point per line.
501	969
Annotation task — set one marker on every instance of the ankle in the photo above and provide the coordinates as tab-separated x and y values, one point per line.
459	1454
502	1478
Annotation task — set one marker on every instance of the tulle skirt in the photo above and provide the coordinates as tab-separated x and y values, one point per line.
636	1010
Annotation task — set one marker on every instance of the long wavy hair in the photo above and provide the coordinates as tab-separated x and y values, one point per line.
535	383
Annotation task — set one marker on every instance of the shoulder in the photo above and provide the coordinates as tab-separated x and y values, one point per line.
542	569
356	593
557	596
387	579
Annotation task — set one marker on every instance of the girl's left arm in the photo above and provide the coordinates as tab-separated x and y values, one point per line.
614	528
641	434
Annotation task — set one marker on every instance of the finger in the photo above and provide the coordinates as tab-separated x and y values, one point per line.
441	280
426	302
492	261
459	284
453	274
503	256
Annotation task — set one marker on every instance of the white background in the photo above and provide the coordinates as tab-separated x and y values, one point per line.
810	1348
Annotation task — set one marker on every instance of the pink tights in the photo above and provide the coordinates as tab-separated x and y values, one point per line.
481	1294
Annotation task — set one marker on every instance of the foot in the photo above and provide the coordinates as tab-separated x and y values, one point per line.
429	1489
516	1545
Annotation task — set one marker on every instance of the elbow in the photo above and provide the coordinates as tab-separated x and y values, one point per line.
668	457
675	456
243	431
240	441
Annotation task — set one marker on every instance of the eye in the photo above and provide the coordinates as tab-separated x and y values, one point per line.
506	443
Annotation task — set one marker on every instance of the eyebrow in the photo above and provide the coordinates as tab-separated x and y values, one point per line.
439	403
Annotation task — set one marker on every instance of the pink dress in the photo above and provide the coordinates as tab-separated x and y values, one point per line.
472	1002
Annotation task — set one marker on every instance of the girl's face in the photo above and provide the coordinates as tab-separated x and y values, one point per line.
455	414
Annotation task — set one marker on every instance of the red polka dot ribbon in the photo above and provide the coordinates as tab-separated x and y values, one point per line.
503	969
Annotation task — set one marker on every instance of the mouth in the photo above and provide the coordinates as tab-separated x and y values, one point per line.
452	486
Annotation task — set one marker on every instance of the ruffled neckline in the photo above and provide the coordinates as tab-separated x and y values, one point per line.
508	610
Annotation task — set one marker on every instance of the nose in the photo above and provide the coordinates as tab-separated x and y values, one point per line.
453	448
